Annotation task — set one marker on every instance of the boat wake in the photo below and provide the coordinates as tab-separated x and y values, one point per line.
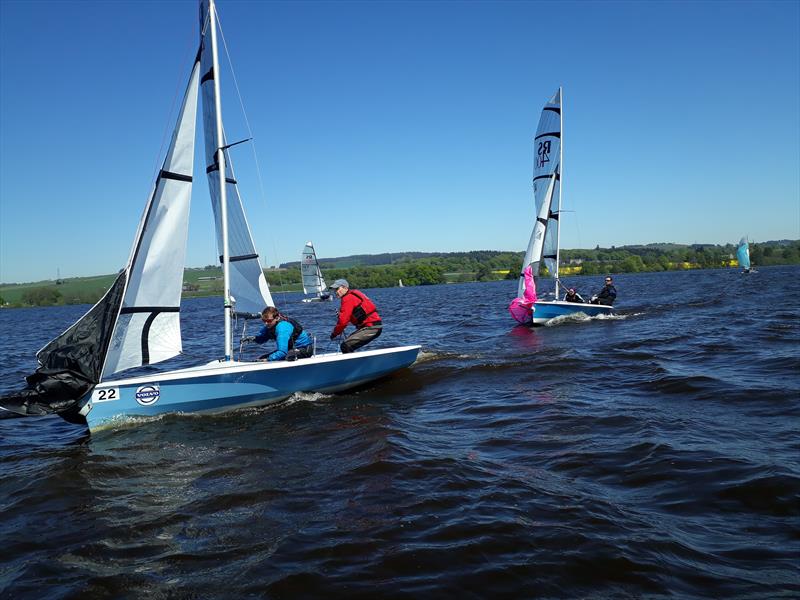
305	397
432	355
584	318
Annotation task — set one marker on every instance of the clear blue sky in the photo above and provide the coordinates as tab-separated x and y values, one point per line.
395	126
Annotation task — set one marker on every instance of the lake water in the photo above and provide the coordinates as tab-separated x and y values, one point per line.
653	454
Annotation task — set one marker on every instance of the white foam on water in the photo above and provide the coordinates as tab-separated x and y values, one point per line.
429	355
305	397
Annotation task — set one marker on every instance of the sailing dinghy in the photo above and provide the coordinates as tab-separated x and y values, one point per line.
313	282
543	247
743	256
137	322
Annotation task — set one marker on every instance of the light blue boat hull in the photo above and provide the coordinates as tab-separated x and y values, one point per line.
221	386
546	311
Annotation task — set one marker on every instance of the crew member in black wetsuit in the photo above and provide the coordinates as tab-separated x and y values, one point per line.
607	295
573	296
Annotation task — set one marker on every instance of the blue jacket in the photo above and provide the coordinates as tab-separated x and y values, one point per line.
281	334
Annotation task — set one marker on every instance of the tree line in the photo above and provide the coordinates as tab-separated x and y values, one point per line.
418	268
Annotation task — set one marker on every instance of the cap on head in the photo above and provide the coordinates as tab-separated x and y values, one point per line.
571	290
339	283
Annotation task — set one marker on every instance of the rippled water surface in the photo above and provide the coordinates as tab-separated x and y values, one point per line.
652	454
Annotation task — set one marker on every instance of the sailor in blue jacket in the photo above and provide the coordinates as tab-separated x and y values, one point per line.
291	340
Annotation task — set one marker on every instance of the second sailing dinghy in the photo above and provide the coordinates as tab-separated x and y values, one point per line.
137	322
313	283
543	247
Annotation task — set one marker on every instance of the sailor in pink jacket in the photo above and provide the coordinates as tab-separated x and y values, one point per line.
522	308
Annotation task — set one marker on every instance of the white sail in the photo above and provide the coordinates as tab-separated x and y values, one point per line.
148	327
533	255
547	179
248	286
313	282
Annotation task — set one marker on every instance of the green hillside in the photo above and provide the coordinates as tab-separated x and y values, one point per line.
425	268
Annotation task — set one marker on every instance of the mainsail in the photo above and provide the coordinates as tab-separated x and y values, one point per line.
248	286
743	253
543	245
313	283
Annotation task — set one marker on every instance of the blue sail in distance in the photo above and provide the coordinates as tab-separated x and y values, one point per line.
743	254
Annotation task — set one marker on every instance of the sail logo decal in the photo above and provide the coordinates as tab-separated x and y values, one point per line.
147	394
542	154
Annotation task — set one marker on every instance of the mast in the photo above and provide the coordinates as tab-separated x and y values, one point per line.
223	199
560	175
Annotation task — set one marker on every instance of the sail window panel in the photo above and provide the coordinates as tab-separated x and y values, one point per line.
249	287
143	338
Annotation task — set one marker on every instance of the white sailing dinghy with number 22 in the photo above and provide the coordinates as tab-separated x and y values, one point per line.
137	322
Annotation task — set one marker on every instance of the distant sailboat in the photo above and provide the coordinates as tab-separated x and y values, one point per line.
743	256
399	283
543	247
313	283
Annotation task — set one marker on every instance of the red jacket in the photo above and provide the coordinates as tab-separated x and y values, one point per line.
350	301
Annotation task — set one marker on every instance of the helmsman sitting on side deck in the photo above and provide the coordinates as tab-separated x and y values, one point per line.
607	295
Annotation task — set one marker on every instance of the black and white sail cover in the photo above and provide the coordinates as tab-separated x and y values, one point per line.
148	329
543	245
248	286
313	283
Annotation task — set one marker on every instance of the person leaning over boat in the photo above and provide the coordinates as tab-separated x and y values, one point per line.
607	295
359	310
573	296
292	342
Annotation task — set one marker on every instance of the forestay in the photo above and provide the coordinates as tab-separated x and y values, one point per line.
313	283
248	286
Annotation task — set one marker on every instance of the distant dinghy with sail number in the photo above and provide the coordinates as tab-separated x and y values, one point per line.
543	247
743	256
313	282
137	322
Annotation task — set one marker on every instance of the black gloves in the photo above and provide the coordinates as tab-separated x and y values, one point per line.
248	339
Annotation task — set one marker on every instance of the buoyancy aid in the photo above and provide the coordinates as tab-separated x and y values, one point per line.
297	329
363	309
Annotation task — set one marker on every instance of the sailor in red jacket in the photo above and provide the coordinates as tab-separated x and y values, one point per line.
359	310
